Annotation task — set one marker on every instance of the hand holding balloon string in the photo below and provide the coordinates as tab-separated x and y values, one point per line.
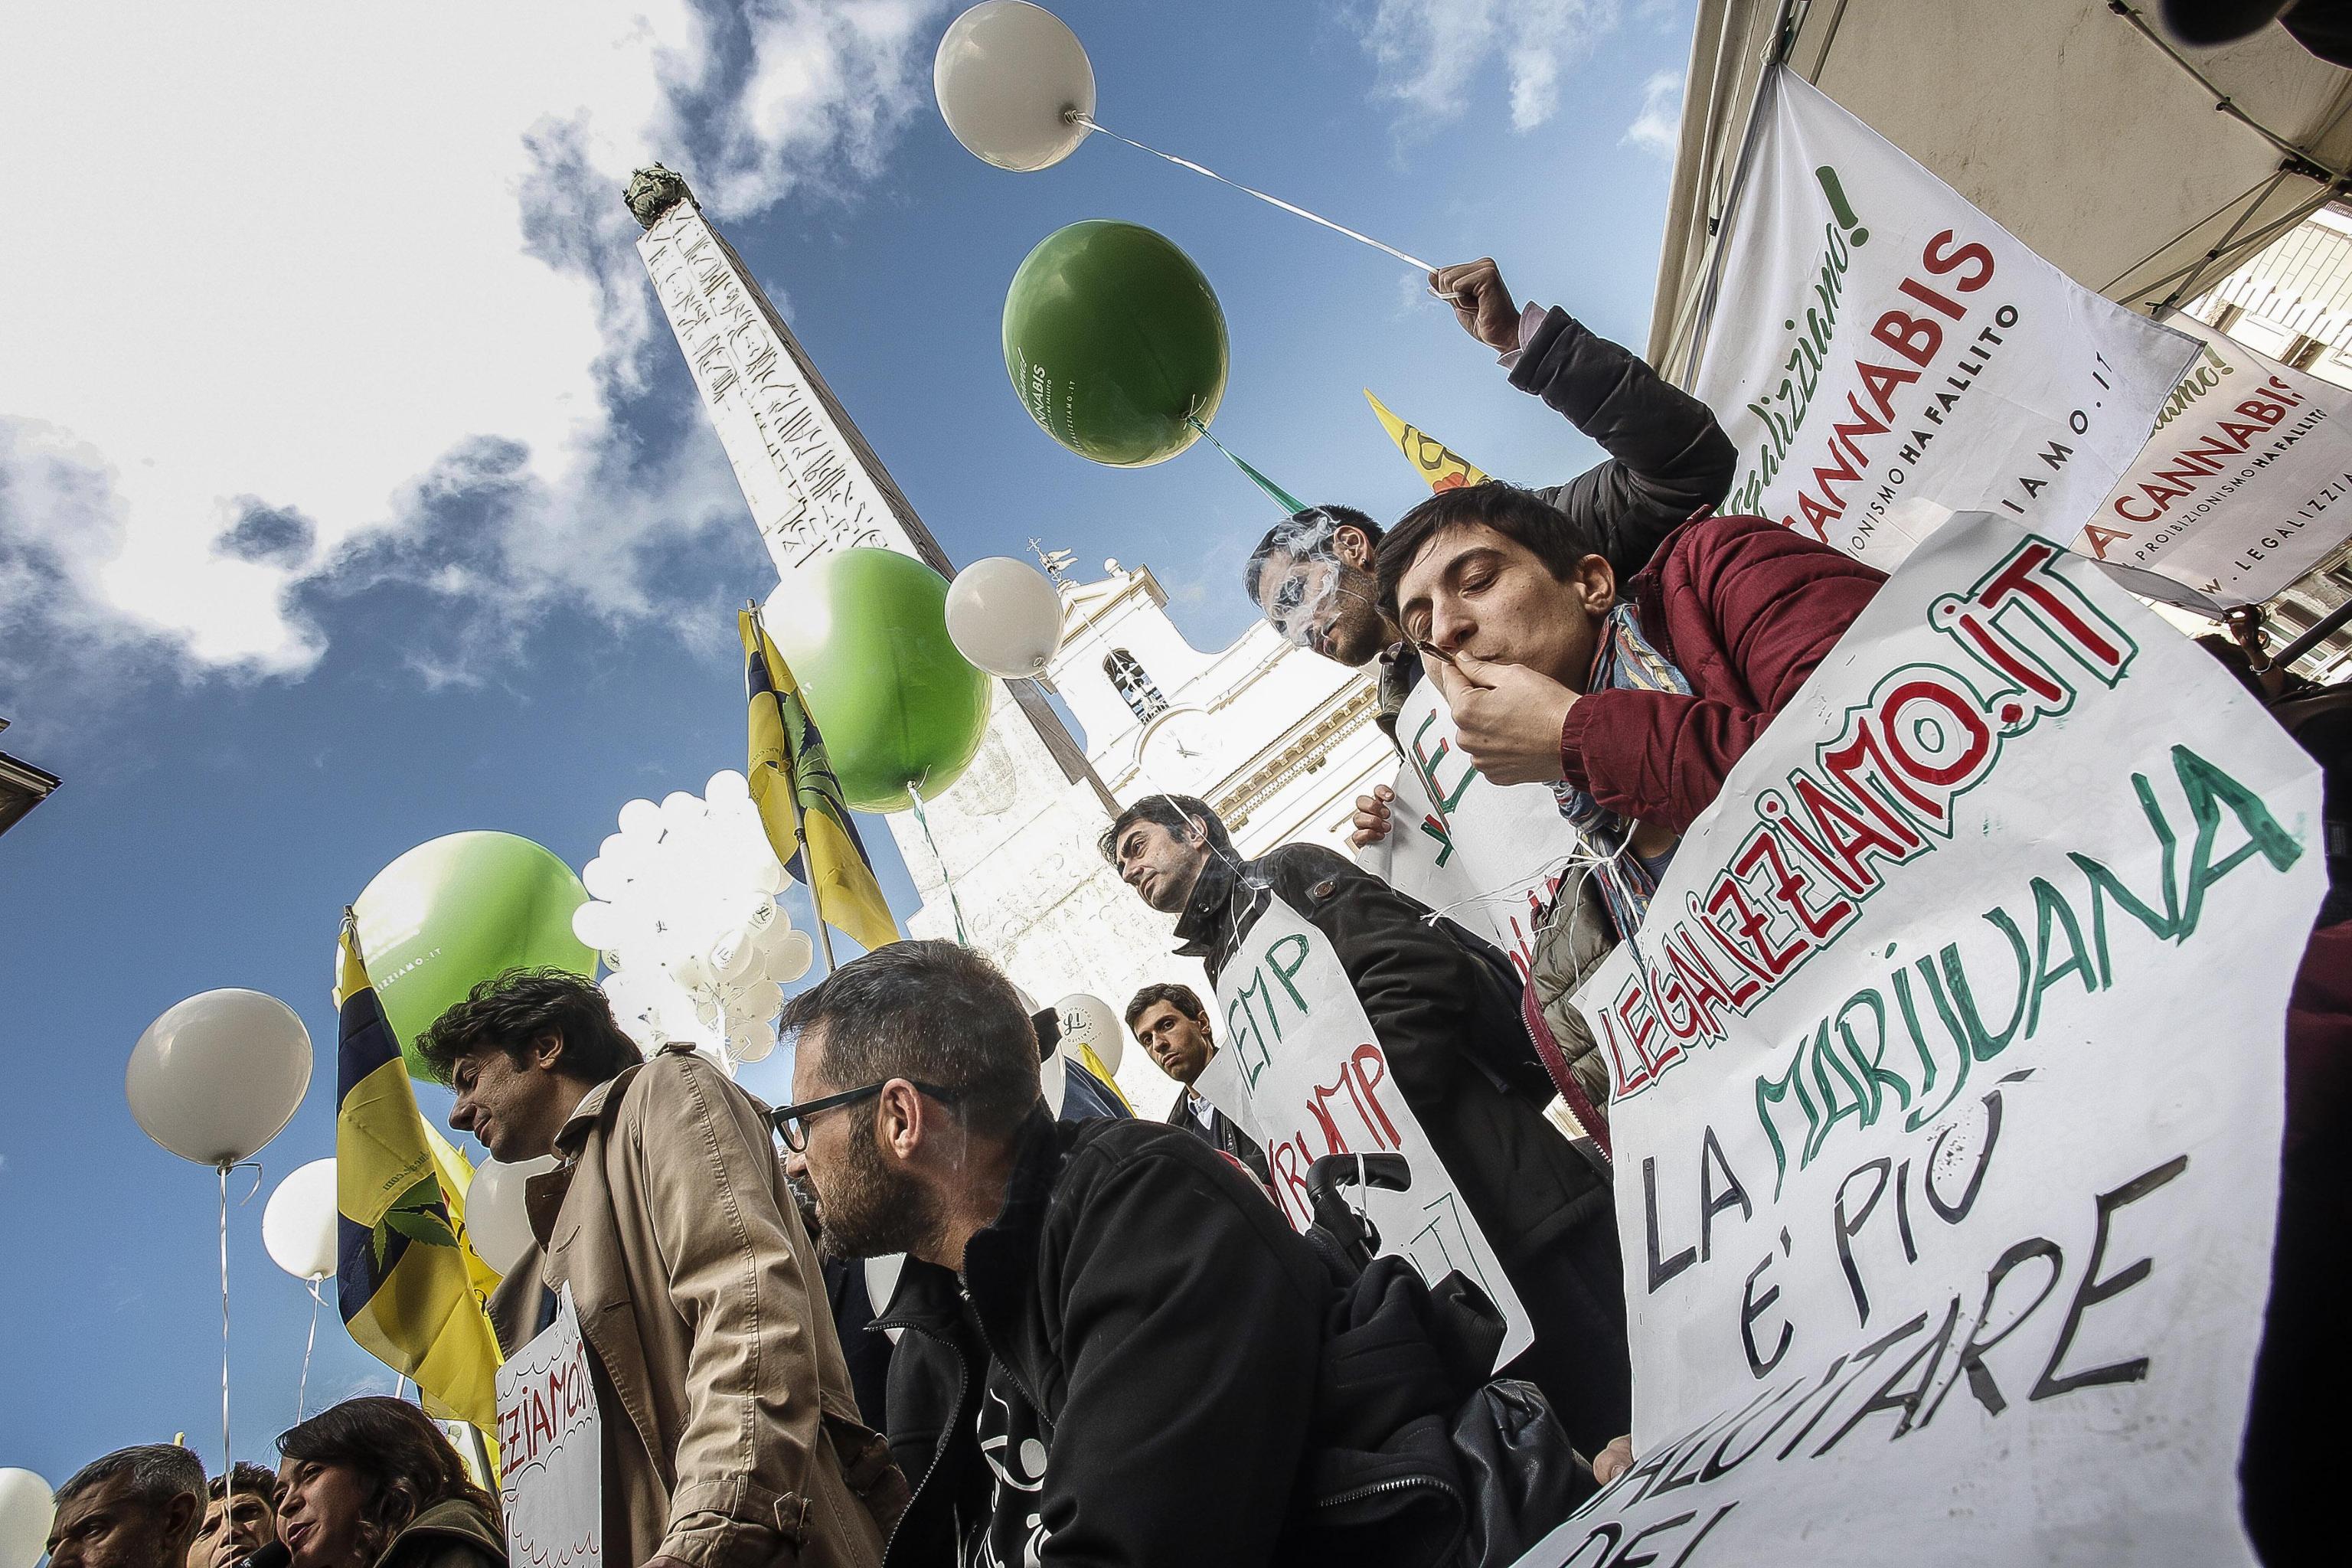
1017	88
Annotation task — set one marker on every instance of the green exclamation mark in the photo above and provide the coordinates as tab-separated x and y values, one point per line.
1838	205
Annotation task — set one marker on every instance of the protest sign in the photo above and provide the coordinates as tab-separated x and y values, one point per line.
1487	856
2245	485
551	1442
1302	1071
1883	355
1947	1093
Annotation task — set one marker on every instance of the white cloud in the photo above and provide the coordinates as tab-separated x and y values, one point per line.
1659	124
1431	53
314	262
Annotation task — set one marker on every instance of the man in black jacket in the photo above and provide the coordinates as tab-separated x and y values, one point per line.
1445	1006
1168	1021
1110	1342
1311	576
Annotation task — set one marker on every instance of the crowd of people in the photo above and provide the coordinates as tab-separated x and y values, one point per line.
1107	1343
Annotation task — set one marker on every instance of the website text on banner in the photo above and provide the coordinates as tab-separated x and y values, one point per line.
1488	856
1948	1081
1303	1073
1883	355
2245	485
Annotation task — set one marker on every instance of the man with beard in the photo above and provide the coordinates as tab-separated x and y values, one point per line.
1312	577
1111	1339
135	1508
731	1436
240	1520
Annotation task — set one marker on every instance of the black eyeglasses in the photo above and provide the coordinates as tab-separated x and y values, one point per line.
791	1122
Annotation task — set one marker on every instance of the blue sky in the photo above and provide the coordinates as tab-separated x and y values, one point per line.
353	496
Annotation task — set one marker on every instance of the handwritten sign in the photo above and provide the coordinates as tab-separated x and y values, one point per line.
1304	1074
1488	857
551	1441
1947	1091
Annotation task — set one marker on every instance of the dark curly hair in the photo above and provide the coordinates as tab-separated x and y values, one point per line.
403	1460
245	1477
1556	539
1184	998
1179	814
509	1011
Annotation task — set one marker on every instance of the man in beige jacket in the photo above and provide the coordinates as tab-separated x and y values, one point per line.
731	1436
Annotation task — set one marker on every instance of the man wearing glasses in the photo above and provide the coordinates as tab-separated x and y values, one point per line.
731	1435
1111	1338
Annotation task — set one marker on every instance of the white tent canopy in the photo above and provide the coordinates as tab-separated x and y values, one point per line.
2077	127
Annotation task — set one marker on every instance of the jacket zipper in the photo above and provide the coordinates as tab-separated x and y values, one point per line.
1036	1406
938	1452
1403	1483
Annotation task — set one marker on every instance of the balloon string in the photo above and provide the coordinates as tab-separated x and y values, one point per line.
915	799
1078	117
302	1391
227	1463
1282	498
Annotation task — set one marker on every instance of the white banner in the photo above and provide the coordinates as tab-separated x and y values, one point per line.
1883	355
551	1446
1949	1090
1302	1071
2245	485
1487	856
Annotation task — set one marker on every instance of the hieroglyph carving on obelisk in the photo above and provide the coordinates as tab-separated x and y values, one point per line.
799	468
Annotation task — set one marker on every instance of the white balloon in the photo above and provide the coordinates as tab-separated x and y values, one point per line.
1089	1020
27	1511
495	1219
734	957
597	924
1053	1078
761	1000
788	958
1005	616
882	1283
218	1075
691	969
727	785
640	818
298	1227
1007	76
751	1044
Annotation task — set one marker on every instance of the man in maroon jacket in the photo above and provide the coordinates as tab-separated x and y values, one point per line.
1634	700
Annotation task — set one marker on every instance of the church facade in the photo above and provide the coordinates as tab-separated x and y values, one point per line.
1278	741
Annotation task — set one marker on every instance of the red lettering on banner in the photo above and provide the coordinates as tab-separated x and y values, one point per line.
1939	258
1752	921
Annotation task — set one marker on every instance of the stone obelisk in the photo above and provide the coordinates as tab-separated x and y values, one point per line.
1016	832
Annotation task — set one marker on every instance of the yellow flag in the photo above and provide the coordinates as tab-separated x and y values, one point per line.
1444	468
408	1285
800	801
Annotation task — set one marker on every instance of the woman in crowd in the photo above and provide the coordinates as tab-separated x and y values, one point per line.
373	1483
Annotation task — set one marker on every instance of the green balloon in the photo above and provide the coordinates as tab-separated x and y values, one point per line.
455	911
1114	340
865	633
